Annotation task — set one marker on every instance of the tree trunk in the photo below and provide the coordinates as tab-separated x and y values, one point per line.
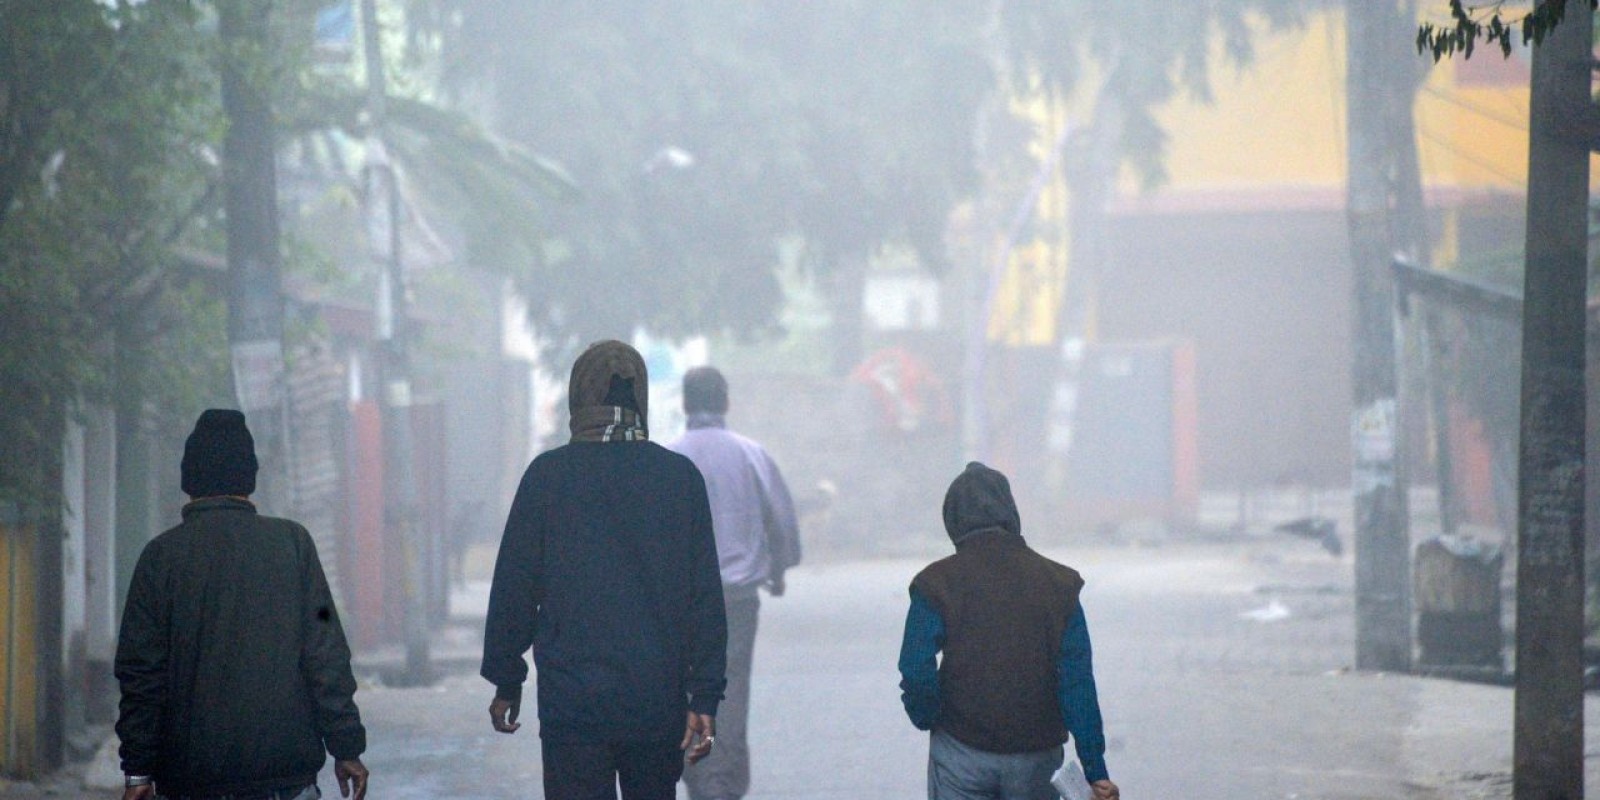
1091	174
395	398
1548	740
250	199
1375	116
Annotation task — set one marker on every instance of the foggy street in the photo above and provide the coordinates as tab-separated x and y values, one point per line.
1277	321
1200	702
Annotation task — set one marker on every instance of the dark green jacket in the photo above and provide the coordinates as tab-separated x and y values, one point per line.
234	669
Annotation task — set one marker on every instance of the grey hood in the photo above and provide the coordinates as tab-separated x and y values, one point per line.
979	500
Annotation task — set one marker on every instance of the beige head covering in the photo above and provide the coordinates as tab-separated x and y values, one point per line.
608	394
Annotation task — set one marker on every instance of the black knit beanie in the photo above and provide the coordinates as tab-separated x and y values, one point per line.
219	457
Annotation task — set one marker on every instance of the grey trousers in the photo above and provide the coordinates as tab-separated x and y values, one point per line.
726	772
958	771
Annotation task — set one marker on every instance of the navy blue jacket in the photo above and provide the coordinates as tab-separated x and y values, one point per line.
608	569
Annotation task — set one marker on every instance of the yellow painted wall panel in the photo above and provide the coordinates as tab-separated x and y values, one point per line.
1280	123
18	652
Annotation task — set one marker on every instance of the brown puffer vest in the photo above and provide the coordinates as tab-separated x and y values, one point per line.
1005	608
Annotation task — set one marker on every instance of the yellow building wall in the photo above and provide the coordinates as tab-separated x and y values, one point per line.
1277	123
1277	127
1273	137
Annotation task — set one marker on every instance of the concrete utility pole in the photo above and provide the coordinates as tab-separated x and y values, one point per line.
400	488
250	200
1548	740
1378	100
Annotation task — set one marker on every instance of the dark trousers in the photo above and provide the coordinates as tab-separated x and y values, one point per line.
302	793
645	770
726	772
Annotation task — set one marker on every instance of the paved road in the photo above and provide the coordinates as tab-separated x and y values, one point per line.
1200	701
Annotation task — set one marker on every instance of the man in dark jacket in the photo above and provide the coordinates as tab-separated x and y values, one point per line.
758	539
234	669
608	569
1016	674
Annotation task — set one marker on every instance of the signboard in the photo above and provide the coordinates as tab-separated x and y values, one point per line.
258	374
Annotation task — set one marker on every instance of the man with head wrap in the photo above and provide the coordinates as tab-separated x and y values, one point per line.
1016	674
234	670
608	570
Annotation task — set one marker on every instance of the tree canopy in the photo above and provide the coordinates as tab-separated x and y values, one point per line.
111	220
701	133
106	115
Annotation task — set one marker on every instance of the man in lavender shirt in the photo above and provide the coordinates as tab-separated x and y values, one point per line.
758	538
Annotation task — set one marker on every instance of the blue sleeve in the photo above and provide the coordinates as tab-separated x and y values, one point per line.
919	667
1080	703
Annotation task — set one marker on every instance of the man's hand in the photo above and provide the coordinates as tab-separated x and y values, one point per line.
1105	790
698	735
775	585
145	792
351	773
503	713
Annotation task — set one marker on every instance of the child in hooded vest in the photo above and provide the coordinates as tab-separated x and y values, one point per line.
1016	675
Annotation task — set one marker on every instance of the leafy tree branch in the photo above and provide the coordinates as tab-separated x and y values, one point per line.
1489	23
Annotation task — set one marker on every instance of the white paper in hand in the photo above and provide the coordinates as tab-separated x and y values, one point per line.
1070	782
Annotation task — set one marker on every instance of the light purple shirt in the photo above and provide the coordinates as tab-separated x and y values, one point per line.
751	512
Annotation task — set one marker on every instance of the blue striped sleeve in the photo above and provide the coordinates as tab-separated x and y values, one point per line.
1080	703
919	667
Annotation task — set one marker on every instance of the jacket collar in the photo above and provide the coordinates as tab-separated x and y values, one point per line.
987	538
220	503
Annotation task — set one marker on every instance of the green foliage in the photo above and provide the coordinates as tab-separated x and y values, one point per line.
1487	23
104	121
111	128
110	121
